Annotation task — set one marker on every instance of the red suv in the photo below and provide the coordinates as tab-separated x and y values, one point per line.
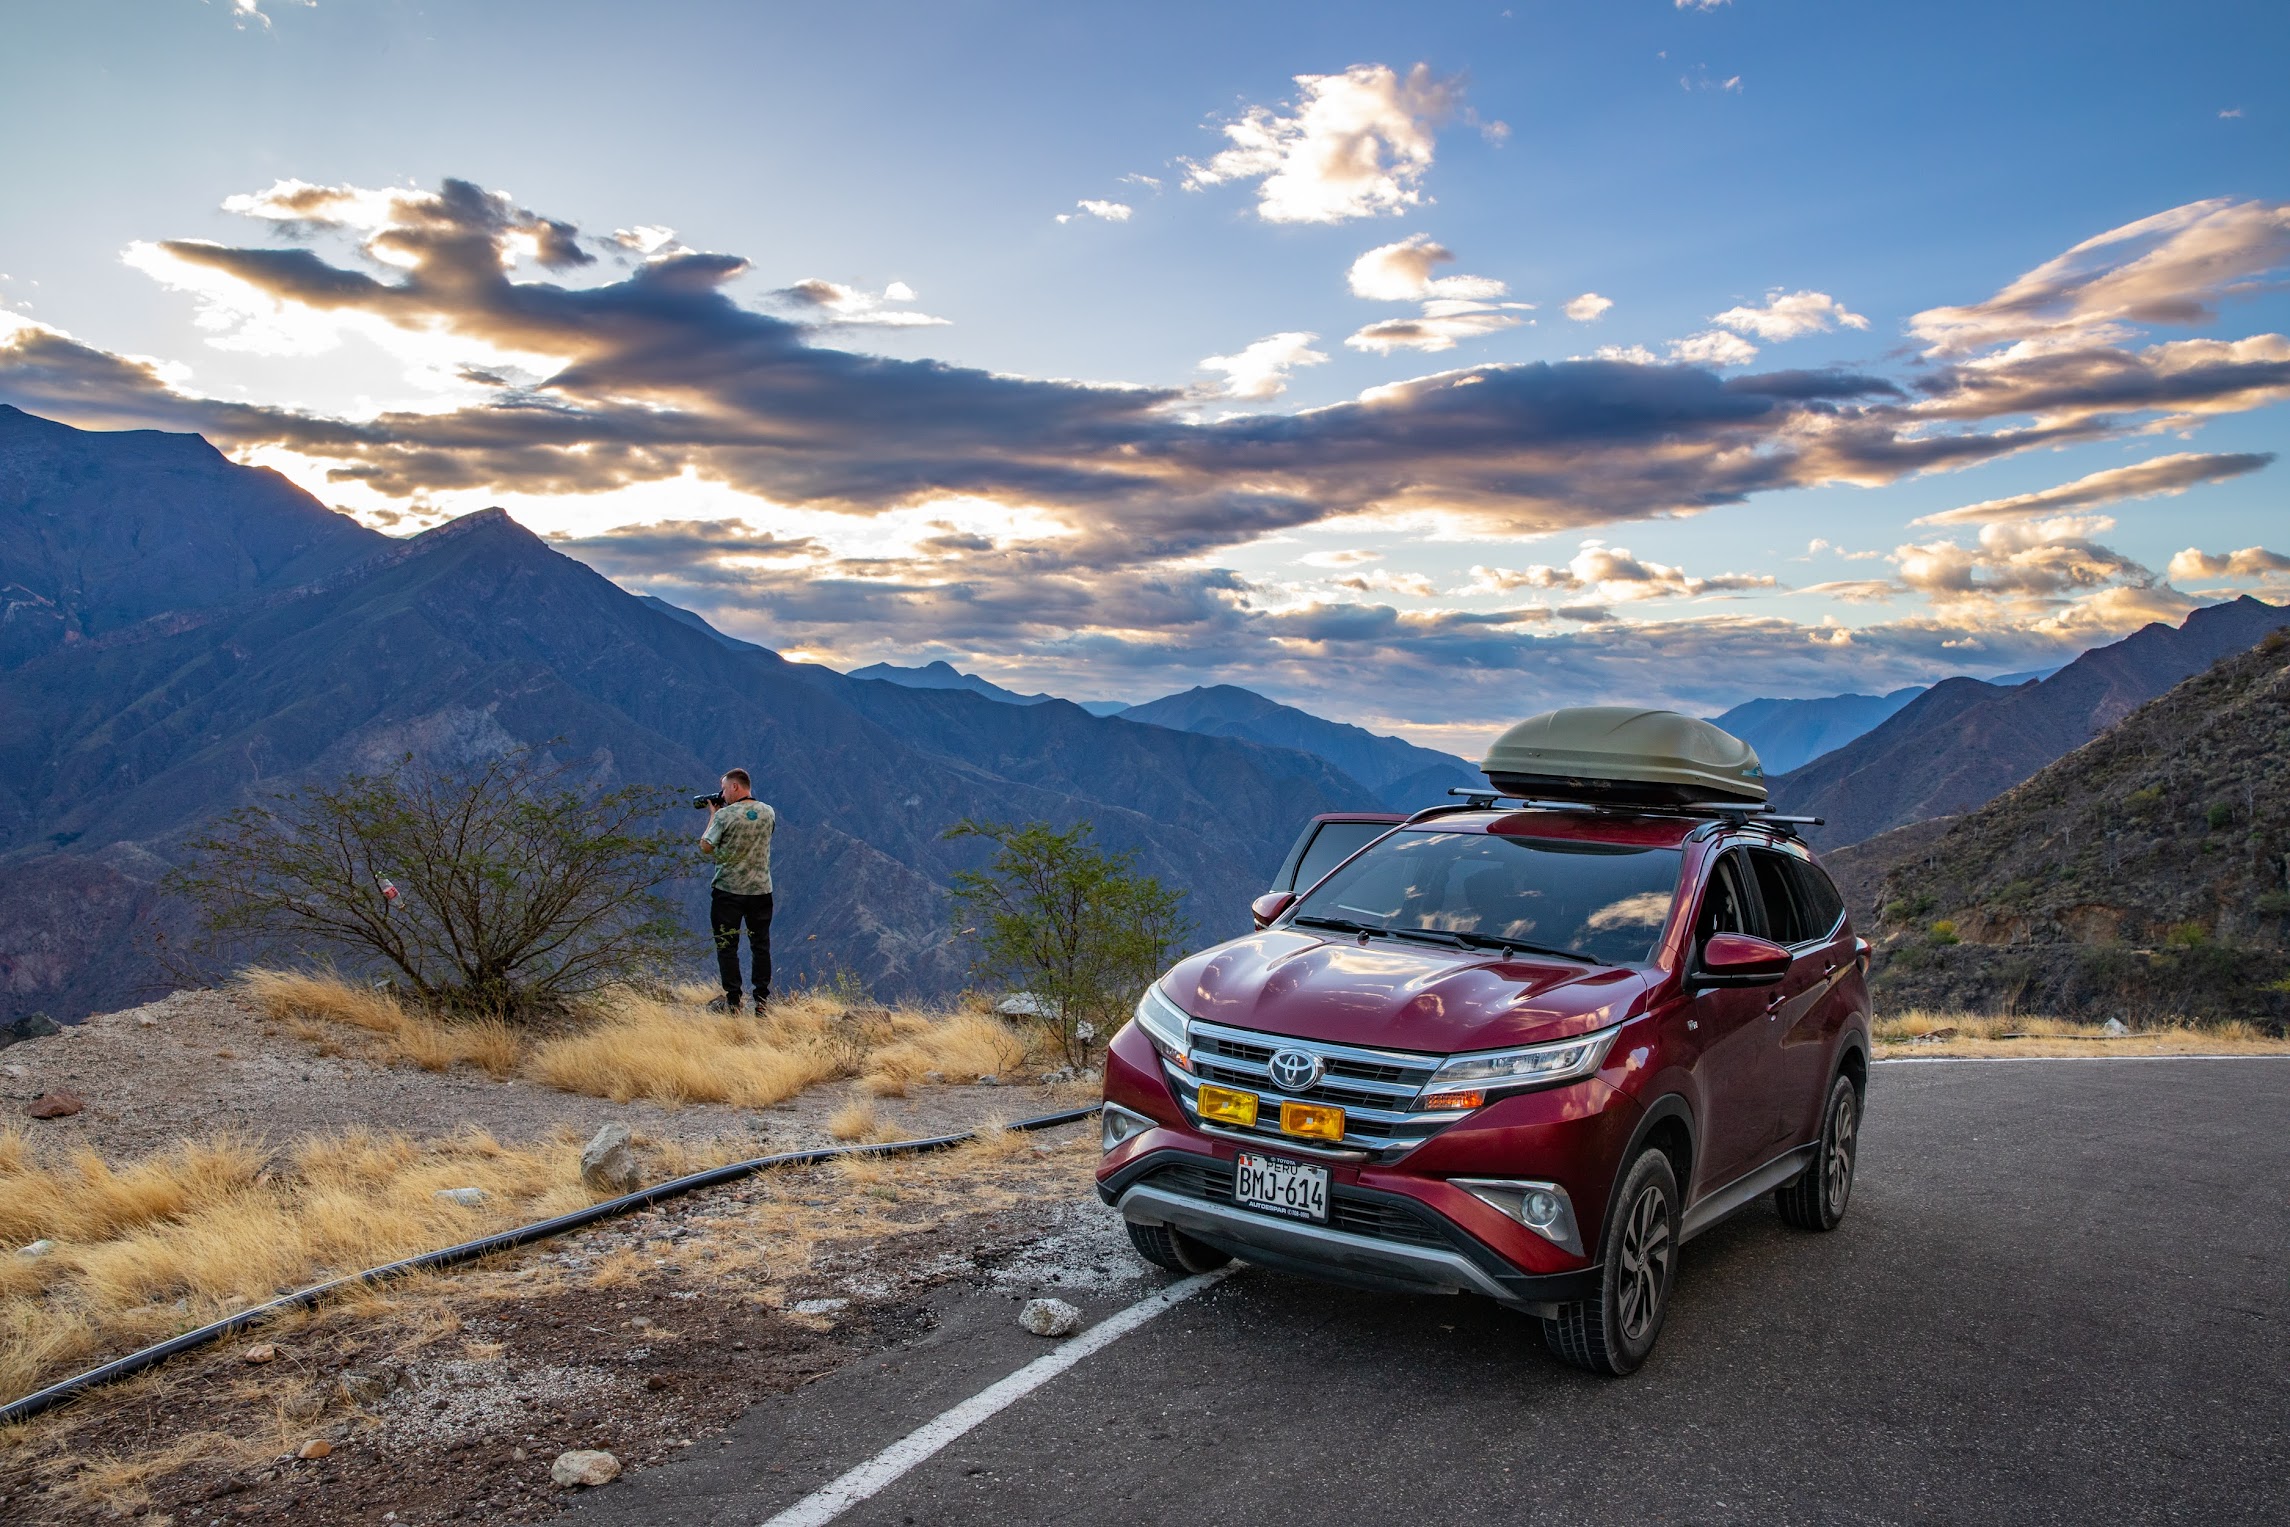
1524	1053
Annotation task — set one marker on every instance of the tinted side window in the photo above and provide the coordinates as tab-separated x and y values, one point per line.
1332	845
1822	902
1785	922
1726	905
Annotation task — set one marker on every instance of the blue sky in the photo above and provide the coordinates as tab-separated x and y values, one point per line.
1333	530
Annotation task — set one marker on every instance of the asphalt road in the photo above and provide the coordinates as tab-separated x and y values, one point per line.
2059	1297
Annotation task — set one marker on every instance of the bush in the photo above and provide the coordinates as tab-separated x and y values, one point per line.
1075	927
2186	935
2144	800
2220	816
495	890
1944	932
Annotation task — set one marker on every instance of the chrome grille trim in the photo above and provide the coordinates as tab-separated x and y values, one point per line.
1373	1087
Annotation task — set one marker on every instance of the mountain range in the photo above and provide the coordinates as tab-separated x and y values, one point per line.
1405	776
231	636
1788	733
2144	871
1961	743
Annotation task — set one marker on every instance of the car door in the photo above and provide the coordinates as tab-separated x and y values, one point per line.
1796	1043
1809	1037
1736	1064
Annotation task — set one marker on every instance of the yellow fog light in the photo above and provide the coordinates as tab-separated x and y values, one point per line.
1317	1120
1228	1105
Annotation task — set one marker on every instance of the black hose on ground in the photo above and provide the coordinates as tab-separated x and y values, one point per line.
508	1240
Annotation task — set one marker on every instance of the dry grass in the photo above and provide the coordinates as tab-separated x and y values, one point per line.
186	1237
960	1048
855	1121
1923	1032
306	1002
667	1048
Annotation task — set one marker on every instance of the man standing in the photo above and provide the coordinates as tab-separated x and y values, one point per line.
738	838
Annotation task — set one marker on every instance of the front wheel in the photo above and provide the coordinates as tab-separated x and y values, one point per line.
1171	1250
1815	1199
1613	1332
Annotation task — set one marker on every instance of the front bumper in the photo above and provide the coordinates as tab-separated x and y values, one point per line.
1375	1240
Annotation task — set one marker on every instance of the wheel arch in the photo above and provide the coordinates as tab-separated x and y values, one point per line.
1668	1125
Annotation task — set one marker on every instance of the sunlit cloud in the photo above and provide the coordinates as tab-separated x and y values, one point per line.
2252	562
831	302
1790	315
1588	308
1714	348
1402	272
1261	370
1107	211
1352	145
2163	476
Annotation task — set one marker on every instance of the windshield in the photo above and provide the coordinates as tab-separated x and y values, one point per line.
1593	901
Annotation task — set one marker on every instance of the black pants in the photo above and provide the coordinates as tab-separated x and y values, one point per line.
726	912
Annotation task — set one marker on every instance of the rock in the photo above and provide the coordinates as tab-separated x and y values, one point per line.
989	1080
933	1078
608	1163
584	1467
468	1198
361	1384
1050	1317
316	1447
30	1026
2114	1026
520	1455
38	1248
820	1306
15	1073
260	1352
54	1105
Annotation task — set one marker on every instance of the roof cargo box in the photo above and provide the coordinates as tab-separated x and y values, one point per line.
1620	755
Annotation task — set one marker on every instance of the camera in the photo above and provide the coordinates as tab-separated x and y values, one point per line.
707	802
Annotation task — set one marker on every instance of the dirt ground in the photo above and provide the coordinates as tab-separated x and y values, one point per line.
447	1399
201	1062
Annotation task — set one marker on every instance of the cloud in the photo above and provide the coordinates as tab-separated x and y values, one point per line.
1701	5
2231	111
1356	145
244	11
1587	308
832	303
2162	476
1454	307
2023	565
1714	348
1261	370
2172	268
1110	211
648	239
560	376
1402	272
1789	316
2252	562
1615	576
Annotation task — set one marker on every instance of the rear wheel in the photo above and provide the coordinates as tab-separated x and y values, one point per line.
1815	1199
1167	1247
1612	1333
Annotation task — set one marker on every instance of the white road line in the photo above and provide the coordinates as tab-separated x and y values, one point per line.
831	1501
2031	1060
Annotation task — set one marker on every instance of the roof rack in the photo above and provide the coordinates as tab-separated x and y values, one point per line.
1739	813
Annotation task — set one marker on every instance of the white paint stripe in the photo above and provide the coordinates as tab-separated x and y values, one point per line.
2032	1060
831	1501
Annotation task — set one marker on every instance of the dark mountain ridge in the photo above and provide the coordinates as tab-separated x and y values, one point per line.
477	636
1790	733
1405	776
2146	869
1962	742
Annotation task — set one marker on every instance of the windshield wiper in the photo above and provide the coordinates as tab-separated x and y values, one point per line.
1339	924
1497	941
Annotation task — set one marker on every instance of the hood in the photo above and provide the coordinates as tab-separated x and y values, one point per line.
1395	995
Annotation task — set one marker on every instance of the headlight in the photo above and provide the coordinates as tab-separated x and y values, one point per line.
1466	1080
1164	1024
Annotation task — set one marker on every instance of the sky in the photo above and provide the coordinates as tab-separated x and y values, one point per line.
1426	366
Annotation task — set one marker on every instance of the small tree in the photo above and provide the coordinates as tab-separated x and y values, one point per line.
498	889
1071	924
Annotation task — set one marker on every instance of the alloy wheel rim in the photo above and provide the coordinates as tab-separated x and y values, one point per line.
1645	1262
1840	1162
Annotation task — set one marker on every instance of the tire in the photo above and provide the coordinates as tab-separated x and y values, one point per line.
1815	1198
1638	1259
1172	1250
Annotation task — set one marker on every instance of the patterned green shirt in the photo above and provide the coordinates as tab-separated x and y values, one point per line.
741	836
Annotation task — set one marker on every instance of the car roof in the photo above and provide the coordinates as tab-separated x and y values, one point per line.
1384	817
1573	826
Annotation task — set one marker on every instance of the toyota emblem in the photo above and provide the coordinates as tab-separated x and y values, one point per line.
1296	1070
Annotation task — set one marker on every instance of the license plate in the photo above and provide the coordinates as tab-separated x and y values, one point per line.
1280	1186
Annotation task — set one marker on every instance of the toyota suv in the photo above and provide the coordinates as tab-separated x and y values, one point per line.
1523	1053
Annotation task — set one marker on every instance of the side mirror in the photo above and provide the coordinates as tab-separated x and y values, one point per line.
1270	905
1740	959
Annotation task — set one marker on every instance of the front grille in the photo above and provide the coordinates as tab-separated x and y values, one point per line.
1379	1218
1375	1088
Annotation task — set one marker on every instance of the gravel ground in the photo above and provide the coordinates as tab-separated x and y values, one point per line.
201	1062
